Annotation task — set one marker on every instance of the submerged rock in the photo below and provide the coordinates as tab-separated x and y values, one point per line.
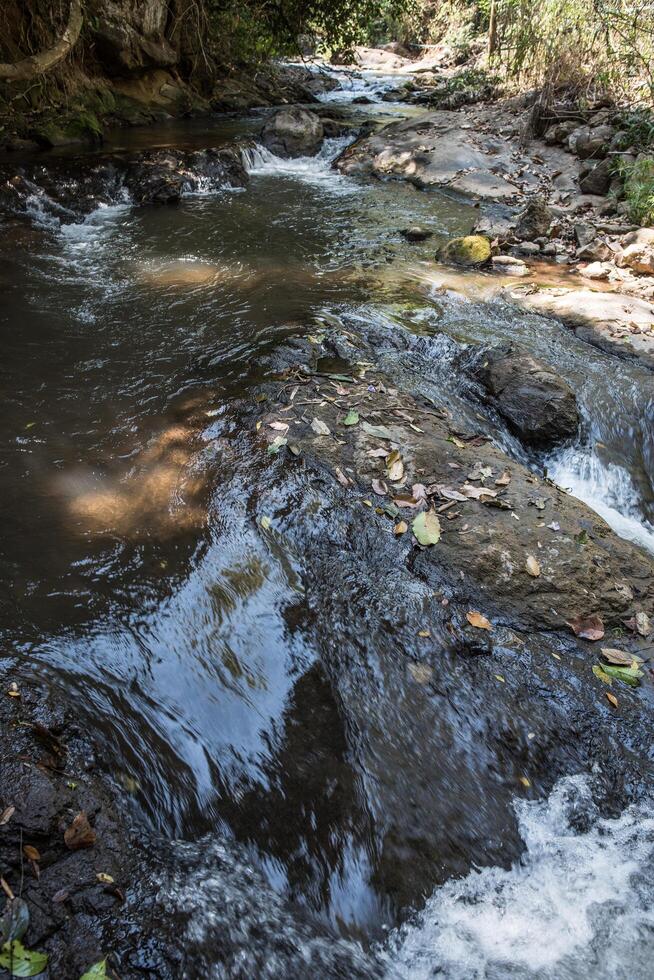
471	250
293	132
538	405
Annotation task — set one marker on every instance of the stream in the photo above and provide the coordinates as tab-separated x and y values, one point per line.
135	580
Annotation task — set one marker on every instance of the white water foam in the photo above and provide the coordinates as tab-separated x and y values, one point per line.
578	906
607	488
316	170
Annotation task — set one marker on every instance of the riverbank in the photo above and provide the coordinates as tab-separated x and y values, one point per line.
295	612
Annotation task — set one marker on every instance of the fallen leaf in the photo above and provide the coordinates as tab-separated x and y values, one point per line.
601	675
476	493
500	678
265	523
279	426
22	962
643	625
6	815
368	503
457	442
587	627
104	878
554	526
320	428
421	673
376	453
400	528
503	480
424	633
80	833
277	444
352	418
378	431
97	972
380	488
533	568
478	621
525	782
341	477
449	494
628	675
619	657
427	528
13	691
31	853
395	471
612	698
419	491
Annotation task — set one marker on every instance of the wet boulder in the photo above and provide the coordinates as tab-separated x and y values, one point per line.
161	177
536	403
471	250
293	132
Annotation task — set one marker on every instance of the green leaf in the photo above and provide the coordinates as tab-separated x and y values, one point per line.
277	444
629	675
96	972
340	377
378	431
602	675
22	962
427	528
352	418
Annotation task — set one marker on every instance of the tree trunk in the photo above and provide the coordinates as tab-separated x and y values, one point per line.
492	29
38	64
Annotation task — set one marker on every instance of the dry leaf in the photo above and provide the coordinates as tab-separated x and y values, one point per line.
503	480
525	782
6	815
341	477
424	633
31	853
619	657
104	878
320	428
279	426
427	528
478	621
80	833
400	528
376	453
533	568
395	472
13	691
476	493
612	698
643	625
587	627
380	488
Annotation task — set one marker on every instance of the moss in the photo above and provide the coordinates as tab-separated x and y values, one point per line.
472	250
84	124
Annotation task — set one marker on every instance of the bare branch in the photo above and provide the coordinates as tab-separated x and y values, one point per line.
38	64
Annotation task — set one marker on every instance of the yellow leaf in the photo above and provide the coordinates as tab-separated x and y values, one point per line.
424	633
478	621
105	878
525	782
612	698
400	528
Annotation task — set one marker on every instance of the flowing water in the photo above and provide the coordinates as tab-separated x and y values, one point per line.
135	581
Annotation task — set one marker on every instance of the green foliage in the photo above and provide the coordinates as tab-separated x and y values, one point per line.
638	180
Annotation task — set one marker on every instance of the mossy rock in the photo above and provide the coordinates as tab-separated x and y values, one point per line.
472	250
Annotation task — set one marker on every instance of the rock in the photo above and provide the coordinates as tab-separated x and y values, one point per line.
591	143
550	249
595	251
471	250
293	132
362	100
638	252
509	265
526	248
584	233
595	178
416	234
333	128
559	132
597	270
538	405
534	220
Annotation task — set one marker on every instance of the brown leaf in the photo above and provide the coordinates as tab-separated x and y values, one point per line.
587	627
476	493
341	477
400	528
612	698
31	853
80	834
478	621
503	480
419	491
619	657
533	568
279	426
6	815
380	488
